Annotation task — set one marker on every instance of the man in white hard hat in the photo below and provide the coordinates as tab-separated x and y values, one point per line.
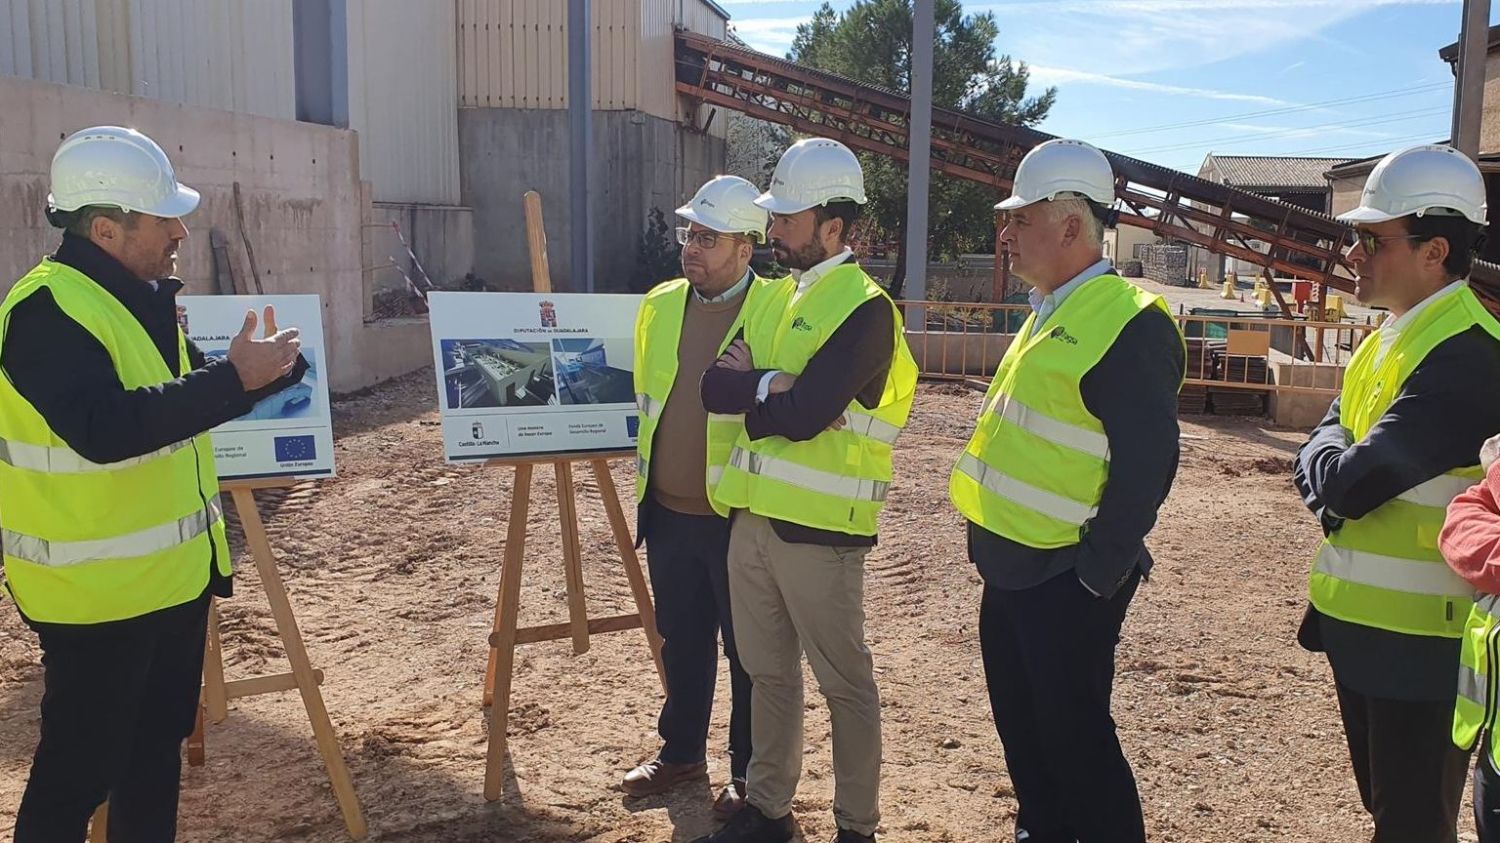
682	327
825	381
1401	440
114	534
1074	451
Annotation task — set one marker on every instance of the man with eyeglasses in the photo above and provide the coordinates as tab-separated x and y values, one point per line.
682	327
1399	443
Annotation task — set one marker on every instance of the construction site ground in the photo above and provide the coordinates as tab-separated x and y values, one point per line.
393	568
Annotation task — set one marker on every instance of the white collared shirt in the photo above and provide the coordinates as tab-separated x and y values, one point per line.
808	277
1391	330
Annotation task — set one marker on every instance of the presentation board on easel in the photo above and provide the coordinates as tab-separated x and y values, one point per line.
289	434
282	440
528	379
534	374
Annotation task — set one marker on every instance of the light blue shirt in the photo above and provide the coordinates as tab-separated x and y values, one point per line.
730	293
1046	305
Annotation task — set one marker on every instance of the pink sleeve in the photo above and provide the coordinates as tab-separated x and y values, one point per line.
1470	539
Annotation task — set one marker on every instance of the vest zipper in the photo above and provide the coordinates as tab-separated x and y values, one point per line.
1491	681
213	549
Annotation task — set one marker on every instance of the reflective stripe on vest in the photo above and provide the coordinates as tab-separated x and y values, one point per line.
1437	492
871	427
648	406
1391	572
1050	505
1471	686
811	479
1090	442
162	537
67	461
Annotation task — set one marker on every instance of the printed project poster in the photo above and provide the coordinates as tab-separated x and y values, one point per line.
289	434
521	374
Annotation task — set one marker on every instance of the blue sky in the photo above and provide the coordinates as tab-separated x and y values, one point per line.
1340	78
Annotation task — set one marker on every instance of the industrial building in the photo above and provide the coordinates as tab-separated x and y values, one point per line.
497	373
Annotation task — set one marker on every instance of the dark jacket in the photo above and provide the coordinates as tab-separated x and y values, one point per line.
1132	390
851	365
69	377
1444	412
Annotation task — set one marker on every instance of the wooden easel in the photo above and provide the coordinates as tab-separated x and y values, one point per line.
217	692
505	635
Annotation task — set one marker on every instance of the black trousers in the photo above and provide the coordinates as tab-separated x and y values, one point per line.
688	558
1049	660
1486	796
117	703
1410	775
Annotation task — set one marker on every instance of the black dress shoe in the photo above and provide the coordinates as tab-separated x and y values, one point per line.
849	835
749	825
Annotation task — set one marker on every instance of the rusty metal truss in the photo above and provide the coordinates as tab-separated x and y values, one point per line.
1283	238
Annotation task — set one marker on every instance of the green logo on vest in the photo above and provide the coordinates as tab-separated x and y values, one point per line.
1060	333
800	324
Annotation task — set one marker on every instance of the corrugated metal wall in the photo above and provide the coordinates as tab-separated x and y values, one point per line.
402	88
226	54
513	53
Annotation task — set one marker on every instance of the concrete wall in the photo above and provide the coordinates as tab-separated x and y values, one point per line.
641	162
303	207
1302	409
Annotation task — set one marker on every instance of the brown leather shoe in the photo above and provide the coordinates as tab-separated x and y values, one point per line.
658	776
731	799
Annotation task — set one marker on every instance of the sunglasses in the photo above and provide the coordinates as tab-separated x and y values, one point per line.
1370	241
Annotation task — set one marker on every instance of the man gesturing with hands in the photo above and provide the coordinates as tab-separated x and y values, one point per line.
113	535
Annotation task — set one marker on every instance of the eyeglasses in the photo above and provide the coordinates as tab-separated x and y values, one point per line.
702	238
1370	241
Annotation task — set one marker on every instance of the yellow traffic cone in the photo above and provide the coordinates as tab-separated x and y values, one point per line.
1228	291
1203	280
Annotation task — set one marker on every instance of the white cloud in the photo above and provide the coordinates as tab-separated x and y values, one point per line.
1043	75
769	35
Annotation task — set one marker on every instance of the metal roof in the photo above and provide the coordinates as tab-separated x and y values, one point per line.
1269	172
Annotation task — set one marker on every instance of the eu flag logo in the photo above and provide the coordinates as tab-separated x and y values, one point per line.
295	448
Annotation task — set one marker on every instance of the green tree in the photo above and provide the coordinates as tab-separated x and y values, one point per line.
871	42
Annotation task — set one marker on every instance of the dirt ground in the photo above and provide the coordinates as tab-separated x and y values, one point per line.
393	569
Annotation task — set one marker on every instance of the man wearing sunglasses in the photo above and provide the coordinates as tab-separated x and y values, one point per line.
1399	443
681	451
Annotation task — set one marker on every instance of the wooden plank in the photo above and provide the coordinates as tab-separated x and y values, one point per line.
269	684
559	631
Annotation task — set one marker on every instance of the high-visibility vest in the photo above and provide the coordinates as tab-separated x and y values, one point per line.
1385	570
1474	711
658	330
84	542
837	480
1036	466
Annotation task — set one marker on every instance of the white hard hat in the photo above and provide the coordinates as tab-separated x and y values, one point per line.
1422	179
118	167
813	172
727	204
1061	166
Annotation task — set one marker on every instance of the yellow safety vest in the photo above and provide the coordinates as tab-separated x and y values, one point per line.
1474	711
88	543
658	330
1036	466
837	480
1384	570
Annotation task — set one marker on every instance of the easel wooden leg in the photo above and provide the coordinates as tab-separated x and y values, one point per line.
503	638
296	654
567	511
214	697
638	588
99	824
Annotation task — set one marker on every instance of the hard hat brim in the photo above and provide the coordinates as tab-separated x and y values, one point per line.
179	204
779	206
687	213
1015	202
1364	213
